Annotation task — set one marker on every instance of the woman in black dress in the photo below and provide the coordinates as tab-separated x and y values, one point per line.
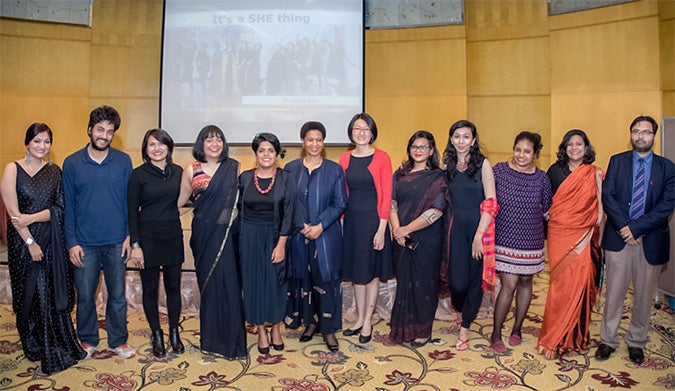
419	220
266	220
211	183
42	282
471	268
367	243
156	233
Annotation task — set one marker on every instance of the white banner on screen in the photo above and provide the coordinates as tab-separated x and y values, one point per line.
261	66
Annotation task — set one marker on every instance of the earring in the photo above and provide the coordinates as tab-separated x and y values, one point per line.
27	157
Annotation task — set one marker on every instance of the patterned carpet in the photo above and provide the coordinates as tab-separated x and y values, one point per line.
373	366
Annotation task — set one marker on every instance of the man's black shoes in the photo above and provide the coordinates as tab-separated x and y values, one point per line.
636	355
604	351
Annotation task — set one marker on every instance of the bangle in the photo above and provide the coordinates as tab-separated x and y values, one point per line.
135	245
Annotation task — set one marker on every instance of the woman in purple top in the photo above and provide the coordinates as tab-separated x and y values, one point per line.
524	196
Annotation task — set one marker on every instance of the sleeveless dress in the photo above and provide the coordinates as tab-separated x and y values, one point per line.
362	263
221	315
42	292
465	273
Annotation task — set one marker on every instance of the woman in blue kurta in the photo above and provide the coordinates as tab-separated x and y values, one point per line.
316	251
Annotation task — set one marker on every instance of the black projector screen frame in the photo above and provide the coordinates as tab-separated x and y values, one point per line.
250	66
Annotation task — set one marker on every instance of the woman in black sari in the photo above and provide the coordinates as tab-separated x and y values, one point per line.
42	284
211	183
419	219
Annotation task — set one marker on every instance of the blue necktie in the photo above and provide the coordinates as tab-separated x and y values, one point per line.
637	207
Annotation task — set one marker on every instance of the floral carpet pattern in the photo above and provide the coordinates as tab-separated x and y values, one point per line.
377	365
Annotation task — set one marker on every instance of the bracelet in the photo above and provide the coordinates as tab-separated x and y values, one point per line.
135	245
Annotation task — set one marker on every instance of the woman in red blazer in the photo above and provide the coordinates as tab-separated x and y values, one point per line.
367	242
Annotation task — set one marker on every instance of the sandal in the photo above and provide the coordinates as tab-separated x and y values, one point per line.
462	344
515	340
499	346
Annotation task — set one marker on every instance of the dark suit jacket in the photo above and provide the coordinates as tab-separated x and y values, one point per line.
652	227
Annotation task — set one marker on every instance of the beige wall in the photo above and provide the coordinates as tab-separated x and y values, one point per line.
510	67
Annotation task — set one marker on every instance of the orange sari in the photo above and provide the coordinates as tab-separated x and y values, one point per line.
571	293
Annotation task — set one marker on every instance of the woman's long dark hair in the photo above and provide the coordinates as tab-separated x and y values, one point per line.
476	157
432	162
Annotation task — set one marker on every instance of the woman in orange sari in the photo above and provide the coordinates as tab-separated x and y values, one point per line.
573	231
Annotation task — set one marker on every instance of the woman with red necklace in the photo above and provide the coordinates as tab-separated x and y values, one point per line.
266	220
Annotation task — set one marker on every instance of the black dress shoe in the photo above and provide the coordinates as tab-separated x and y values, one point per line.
416	344
174	340
264	350
157	341
278	346
309	333
365	338
350	332
331	342
636	355
603	351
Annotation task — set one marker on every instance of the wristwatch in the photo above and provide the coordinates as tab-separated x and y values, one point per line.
135	245
29	241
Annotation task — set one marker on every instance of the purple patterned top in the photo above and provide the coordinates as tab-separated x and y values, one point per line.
523	199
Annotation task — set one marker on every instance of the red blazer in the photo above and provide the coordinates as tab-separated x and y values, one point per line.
380	169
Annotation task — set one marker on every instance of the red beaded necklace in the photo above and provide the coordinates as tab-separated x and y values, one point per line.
257	185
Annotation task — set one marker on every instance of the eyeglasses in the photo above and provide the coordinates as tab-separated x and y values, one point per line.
644	132
420	148
360	130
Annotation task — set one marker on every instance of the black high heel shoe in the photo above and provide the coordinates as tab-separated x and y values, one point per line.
157	341
416	344
365	338
350	332
174	340
276	346
263	350
331	342
309	332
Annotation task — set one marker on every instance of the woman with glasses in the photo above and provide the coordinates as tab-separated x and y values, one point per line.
367	247
471	266
420	199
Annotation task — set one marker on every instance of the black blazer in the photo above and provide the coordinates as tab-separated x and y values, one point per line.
652	227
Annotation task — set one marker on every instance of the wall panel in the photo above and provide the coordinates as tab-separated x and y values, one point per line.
508	73
604	116
667	50
605	72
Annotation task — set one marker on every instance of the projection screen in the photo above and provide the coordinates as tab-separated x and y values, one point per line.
261	66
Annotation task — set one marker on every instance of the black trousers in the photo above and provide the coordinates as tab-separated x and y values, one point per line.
150	283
